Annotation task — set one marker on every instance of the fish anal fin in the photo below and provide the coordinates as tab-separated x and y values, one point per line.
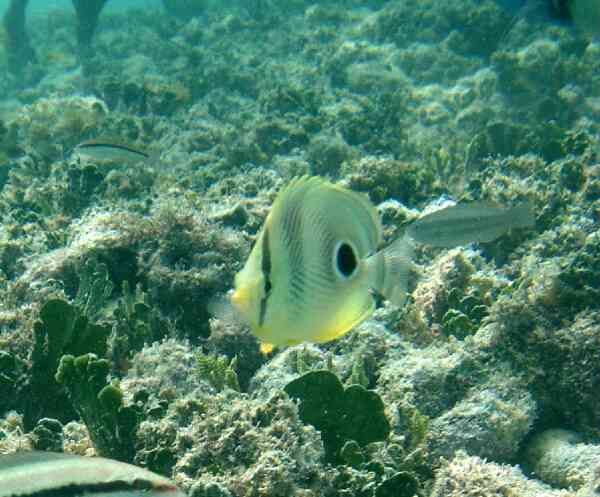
343	324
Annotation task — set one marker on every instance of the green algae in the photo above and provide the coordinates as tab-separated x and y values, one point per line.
95	287
219	371
111	425
353	413
48	435
135	323
401	484
61	329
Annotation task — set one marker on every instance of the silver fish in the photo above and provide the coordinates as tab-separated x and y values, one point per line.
109	151
462	224
33	473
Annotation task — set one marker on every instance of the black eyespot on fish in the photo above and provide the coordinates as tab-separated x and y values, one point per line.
345	260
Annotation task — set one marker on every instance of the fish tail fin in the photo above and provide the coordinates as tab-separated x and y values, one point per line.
523	215
390	269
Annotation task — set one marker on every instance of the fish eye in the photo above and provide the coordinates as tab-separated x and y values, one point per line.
345	260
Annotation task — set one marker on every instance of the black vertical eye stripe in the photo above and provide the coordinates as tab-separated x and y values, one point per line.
265	266
265	263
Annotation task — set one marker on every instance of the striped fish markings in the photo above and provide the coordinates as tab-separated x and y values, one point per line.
315	264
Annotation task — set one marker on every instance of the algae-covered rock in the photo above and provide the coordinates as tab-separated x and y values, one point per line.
340	414
111	425
95	287
136	323
467	475
9	376
562	459
52	126
239	446
401	484
219	371
383	178
490	422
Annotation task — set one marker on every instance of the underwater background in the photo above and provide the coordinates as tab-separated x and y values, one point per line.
485	383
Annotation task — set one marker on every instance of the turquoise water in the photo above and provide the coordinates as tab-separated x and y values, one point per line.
115	5
420	319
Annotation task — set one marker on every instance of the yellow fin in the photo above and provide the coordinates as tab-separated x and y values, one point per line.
343	326
266	348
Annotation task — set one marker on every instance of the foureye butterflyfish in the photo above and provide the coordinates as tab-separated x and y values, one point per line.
316	265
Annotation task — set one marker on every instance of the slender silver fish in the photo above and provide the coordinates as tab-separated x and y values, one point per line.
106	150
37	474
467	223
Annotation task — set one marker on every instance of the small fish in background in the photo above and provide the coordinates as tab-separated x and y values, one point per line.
462	224
316	264
99	150
36	474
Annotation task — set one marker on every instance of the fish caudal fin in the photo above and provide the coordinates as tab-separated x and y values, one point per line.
390	270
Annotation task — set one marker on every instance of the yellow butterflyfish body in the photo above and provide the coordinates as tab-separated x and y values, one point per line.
315	265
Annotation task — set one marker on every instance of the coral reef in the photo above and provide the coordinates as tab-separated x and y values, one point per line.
412	103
